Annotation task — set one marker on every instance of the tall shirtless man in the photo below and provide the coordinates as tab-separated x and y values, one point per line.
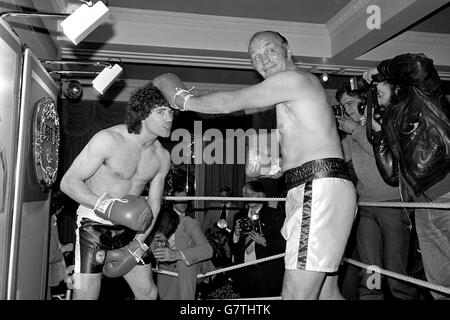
107	179
321	201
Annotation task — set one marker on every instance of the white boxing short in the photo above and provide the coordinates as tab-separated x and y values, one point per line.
320	209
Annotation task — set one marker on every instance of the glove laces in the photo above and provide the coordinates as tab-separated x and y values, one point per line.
185	95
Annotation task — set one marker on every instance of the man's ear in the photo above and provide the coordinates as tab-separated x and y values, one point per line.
288	52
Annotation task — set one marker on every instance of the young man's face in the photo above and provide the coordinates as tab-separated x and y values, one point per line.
247	192
384	94
181	206
159	121
267	54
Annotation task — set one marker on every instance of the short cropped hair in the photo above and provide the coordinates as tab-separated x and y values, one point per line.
346	89
227	190
255	186
284	41
142	102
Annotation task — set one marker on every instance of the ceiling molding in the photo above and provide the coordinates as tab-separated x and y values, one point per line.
349	12
435	45
207	61
204	32
185	39
351	36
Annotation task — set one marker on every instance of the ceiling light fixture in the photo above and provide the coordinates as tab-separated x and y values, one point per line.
101	82
77	25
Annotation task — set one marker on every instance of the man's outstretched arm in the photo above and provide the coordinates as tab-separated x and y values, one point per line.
282	87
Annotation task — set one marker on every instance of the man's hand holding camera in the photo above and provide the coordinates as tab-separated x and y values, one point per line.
258	238
253	235
347	124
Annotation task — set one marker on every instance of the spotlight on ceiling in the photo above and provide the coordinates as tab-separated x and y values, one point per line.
103	81
325	76
76	25
84	20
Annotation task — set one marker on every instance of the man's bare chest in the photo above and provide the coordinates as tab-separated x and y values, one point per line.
132	165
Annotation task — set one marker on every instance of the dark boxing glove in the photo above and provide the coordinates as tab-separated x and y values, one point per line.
120	261
131	211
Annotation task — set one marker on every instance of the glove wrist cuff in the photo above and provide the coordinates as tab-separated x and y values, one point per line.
181	97
102	205
139	251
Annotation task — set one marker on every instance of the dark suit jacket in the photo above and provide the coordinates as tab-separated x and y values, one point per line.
213	215
270	273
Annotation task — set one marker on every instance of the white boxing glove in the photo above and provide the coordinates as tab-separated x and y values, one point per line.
263	166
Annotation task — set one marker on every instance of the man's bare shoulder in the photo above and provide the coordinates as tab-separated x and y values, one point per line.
294	82
112	135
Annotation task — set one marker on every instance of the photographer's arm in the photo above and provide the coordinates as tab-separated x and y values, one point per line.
385	159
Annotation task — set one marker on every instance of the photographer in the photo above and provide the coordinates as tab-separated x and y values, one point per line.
255	235
413	150
382	233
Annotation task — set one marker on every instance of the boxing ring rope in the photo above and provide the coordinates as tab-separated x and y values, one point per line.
377	269
427	205
398	276
422	205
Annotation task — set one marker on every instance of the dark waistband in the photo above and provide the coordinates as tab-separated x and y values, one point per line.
316	169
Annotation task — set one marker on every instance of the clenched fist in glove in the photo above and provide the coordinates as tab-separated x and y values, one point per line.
131	211
173	89
260	165
120	261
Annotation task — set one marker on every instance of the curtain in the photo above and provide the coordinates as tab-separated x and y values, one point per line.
81	121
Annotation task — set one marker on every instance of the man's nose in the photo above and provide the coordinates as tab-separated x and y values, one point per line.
168	117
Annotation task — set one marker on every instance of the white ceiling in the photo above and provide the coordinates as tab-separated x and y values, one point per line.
325	35
330	34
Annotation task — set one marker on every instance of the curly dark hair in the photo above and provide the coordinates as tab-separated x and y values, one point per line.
142	102
167	222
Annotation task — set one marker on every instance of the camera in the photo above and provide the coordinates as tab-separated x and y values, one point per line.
338	110
248	225
368	89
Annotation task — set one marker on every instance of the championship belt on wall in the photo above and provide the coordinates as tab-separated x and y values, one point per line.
45	139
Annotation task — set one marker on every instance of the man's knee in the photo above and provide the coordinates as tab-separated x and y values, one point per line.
86	286
302	284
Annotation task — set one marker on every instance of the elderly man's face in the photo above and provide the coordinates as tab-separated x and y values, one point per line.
267	54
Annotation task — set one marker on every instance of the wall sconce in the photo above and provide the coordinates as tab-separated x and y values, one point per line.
78	24
103	79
